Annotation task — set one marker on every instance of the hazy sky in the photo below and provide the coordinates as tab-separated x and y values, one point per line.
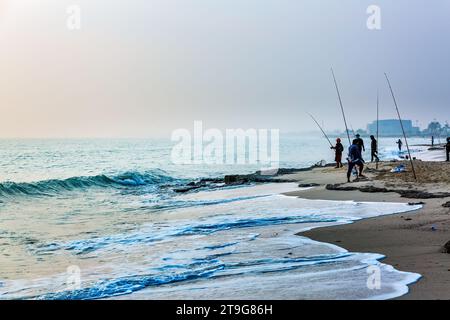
147	67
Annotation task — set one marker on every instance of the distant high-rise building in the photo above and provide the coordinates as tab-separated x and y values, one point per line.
391	127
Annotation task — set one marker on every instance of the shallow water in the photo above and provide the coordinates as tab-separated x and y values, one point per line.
105	213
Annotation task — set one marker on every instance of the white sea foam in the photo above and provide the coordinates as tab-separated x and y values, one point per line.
240	246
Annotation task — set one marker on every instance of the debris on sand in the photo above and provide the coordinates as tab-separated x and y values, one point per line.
446	248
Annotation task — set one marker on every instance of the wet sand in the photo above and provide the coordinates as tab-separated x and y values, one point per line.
411	242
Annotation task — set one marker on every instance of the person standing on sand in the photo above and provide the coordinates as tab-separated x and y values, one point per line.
354	159
374	149
339	149
360	143
400	143
447	149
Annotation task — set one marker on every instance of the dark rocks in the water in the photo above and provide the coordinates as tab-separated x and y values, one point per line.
412	194
211	180
446	205
241	179
238	179
232	179
308	185
203	183
446	247
186	189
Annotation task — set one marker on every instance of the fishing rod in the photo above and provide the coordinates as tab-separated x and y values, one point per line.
342	107
324	134
378	119
401	124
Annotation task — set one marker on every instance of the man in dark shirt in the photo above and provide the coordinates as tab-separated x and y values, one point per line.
360	143
447	149
374	149
400	143
354	159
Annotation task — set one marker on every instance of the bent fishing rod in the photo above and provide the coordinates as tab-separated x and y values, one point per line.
378	120
324	134
401	124
342	107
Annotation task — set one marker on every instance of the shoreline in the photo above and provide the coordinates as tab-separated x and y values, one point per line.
410	242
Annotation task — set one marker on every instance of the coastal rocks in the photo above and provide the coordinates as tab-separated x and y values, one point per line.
186	189
261	178
416	194
238	179
339	187
235	179
412	194
203	183
308	185
242	179
370	189
446	205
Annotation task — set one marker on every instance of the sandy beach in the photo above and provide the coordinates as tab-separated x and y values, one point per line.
411	242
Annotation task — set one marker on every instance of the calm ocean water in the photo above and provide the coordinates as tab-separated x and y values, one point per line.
90	219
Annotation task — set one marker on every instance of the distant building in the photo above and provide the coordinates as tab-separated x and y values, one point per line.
391	127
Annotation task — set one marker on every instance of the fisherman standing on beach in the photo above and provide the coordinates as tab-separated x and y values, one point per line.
374	149
339	148
400	143
360	143
447	149
354	159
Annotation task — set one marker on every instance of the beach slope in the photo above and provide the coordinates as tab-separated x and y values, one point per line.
412	241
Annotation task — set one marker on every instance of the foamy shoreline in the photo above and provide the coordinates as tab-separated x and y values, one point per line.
411	241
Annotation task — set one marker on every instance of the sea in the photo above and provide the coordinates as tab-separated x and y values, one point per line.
100	219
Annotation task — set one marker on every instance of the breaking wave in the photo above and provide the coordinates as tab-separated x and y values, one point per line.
56	186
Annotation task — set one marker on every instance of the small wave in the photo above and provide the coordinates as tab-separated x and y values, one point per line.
56	186
208	268
250	223
177	204
86	246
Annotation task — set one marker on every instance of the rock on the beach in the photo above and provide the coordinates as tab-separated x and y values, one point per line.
339	187
308	185
446	205
237	179
446	247
412	194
